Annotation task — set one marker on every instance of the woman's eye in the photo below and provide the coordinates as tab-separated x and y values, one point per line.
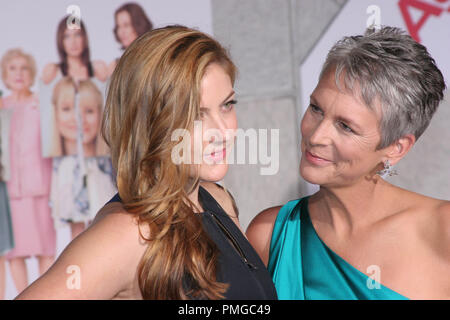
229	105
315	108
345	127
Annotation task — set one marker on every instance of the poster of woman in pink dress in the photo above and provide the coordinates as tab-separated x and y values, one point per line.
29	179
6	231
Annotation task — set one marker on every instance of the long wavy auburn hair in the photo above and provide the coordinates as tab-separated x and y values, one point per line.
154	90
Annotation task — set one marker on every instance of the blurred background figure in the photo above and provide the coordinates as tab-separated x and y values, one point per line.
130	23
77	146
76	196
29	183
6	231
74	55
90	106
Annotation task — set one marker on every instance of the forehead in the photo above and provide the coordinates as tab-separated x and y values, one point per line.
68	32
328	90
215	85
123	16
88	96
342	101
66	94
18	60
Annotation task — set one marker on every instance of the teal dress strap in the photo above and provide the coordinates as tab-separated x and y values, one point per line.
303	267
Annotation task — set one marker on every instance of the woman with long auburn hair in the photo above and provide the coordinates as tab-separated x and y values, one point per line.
172	233
74	56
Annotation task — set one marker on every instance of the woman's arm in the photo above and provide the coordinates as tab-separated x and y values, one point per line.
111	67
98	264
259	232
49	73
101	71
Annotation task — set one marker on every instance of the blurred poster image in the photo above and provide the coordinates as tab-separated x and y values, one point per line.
71	96
71	114
5	119
6	233
57	172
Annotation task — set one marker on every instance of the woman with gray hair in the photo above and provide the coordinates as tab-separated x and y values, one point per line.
360	237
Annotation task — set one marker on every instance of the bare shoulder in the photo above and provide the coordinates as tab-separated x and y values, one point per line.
265	218
106	257
111	67
49	72
259	231
223	197
428	221
442	216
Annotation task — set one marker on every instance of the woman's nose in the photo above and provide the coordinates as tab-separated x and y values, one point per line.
321	134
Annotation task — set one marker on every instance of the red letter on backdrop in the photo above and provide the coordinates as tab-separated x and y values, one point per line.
425	7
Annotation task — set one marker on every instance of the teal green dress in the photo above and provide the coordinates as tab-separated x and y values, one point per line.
304	268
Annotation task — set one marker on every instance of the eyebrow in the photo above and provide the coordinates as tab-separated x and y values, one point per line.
224	100
228	97
340	118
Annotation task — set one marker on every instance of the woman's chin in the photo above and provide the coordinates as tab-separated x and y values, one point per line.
213	172
311	174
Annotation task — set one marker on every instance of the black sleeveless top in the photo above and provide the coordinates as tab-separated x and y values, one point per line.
239	264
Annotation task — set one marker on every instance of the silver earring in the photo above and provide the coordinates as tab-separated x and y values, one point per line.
388	170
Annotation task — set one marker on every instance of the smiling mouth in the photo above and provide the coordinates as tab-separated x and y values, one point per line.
316	160
217	155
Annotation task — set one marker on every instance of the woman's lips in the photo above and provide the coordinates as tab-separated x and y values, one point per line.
316	160
217	155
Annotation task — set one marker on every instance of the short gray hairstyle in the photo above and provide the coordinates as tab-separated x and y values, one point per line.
389	66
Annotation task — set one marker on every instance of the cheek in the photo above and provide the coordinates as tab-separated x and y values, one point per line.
79	42
66	43
132	32
63	117
306	125
92	119
9	79
28	78
233	121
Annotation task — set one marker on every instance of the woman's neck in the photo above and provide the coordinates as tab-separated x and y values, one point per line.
89	150
353	208
22	95
76	68
70	147
193	197
74	62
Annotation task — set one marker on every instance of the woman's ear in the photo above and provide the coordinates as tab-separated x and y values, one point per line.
397	150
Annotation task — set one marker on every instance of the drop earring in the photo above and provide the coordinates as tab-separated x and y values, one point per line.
388	170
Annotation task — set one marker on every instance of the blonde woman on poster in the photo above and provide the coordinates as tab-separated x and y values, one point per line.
65	125
29	182
6	231
75	197
130	23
